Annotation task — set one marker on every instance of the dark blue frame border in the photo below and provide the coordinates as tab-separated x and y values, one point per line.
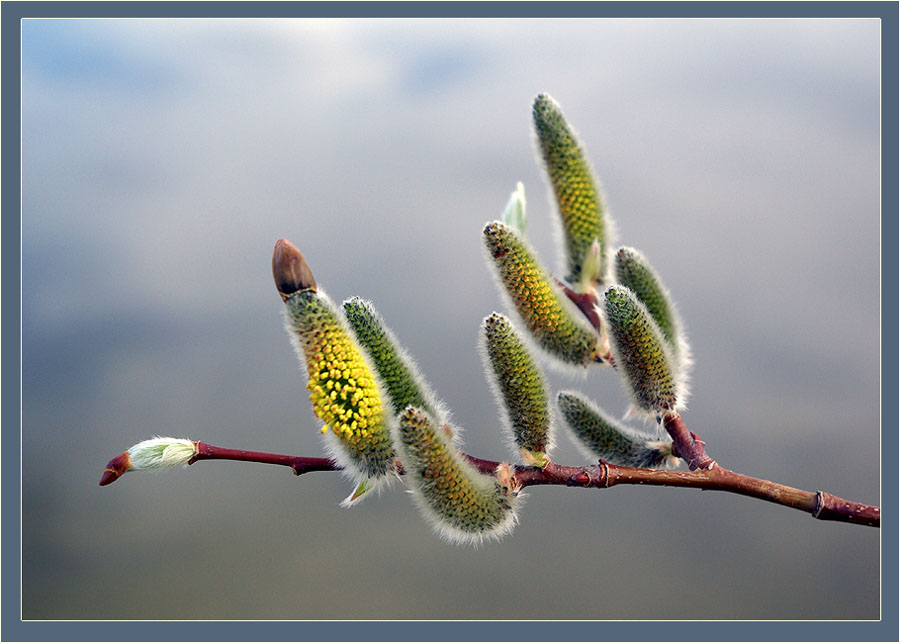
14	629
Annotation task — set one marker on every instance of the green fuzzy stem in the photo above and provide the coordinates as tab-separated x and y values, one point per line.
541	305
343	389
641	354
464	504
634	272
399	376
519	384
581	205
609	440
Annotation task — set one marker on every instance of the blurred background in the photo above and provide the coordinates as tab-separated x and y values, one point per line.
162	160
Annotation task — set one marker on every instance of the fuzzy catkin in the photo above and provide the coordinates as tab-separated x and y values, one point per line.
641	354
581	204
608	439
519	384
401	379
539	302
343	389
462	504
634	272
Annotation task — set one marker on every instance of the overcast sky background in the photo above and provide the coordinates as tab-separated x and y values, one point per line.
163	159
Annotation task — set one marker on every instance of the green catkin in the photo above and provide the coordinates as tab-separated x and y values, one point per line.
641	354
634	272
608	439
541	305
520	387
581	204
462	504
343	389
398	373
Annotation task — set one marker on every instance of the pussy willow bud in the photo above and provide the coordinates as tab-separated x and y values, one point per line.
514	214
642	355
154	454
462	504
605	438
580	201
545	311
401	378
520	389
343	387
634	272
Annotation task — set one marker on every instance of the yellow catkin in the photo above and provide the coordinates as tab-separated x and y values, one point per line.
342	387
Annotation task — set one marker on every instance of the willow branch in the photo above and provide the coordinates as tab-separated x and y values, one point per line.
711	477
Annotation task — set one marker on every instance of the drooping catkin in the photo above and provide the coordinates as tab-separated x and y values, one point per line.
519	387
581	205
344	389
611	441
642	355
462	504
543	308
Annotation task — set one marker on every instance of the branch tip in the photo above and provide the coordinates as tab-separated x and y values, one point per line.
115	468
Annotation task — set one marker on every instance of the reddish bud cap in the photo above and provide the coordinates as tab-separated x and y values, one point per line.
116	467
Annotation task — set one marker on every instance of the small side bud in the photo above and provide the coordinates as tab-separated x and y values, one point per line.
581	205
514	213
403	383
611	441
519	387
292	273
462	504
361	489
154	454
642	355
592	269
554	323
634	272
506	477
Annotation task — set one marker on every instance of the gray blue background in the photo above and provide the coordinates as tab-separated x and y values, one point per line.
162	159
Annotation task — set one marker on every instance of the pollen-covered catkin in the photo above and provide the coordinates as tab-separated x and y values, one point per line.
402	381
540	303
462	504
610	440
342	387
580	201
641	354
519	385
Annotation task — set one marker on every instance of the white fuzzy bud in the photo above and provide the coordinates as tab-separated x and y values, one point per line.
160	453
